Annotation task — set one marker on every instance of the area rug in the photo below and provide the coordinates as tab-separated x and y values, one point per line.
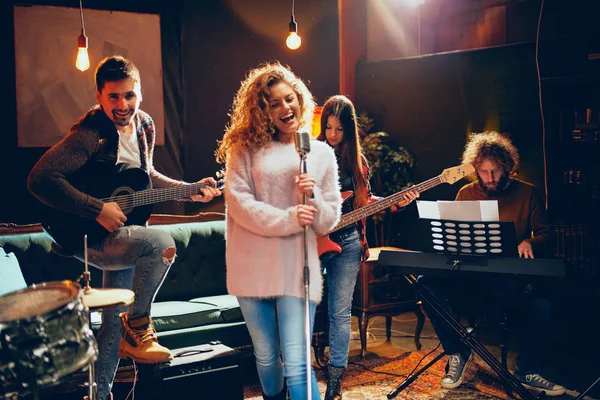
374	378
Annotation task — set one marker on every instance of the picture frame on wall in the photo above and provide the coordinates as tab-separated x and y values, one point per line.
51	93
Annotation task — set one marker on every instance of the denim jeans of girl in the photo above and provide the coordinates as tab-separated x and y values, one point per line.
276	326
341	273
131	258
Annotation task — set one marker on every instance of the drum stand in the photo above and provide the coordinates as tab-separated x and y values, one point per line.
92	385
97	299
582	395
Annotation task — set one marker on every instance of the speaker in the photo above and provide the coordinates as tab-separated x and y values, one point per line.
206	372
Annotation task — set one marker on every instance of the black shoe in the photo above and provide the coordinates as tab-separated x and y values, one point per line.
280	396
455	370
334	383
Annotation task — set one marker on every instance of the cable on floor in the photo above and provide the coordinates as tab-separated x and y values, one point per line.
135	376
404	334
397	375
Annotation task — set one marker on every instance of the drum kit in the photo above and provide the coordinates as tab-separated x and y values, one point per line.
45	334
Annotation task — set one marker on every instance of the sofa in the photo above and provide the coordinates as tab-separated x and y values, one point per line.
192	306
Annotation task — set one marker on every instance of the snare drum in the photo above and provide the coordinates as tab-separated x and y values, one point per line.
44	335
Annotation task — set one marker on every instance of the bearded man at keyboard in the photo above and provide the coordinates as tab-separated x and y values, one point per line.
496	159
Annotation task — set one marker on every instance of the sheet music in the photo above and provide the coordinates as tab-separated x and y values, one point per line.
471	210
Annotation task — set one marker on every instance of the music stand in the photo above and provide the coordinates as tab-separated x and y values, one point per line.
467	238
459	240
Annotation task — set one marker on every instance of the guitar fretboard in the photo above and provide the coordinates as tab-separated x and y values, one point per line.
380	205
152	196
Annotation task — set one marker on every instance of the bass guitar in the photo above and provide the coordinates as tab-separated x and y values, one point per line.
449	175
131	189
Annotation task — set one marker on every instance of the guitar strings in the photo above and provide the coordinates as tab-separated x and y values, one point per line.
150	196
389	201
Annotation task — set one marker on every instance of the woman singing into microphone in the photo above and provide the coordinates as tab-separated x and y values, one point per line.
266	218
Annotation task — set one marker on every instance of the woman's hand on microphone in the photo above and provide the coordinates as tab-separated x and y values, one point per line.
305	214
305	184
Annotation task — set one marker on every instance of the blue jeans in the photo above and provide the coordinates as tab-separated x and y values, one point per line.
131	258
342	270
533	312
276	326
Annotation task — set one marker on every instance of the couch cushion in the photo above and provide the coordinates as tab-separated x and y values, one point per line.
40	264
199	269
11	278
228	304
234	334
171	315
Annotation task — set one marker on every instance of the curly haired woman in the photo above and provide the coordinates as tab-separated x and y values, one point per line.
266	217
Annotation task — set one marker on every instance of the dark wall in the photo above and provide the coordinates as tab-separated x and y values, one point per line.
431	103
207	47
222	41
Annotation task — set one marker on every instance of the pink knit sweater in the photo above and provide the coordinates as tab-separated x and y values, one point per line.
265	243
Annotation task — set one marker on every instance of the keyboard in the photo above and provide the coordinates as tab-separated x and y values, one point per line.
423	263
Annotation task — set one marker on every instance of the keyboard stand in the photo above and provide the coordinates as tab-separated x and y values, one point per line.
582	395
509	380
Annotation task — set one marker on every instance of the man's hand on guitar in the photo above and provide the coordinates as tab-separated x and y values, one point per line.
208	192
111	217
525	249
305	184
409	197
305	214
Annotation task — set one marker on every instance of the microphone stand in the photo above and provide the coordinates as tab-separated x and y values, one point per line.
307	336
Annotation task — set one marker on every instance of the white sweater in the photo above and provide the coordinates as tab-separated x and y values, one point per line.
265	243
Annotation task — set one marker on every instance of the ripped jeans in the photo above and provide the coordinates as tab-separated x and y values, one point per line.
136	258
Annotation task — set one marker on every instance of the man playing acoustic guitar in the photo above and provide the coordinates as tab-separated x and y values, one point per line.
113	134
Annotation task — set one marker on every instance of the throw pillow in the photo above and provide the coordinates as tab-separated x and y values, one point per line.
11	277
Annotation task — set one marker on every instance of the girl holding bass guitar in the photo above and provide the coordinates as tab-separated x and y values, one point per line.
339	129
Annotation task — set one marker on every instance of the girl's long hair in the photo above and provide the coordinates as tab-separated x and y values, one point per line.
349	150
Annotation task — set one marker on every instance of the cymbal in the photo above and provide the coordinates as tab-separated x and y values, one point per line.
107	297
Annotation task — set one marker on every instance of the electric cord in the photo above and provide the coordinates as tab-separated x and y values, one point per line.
135	376
422	358
539	79
397	375
324	366
404	320
403	334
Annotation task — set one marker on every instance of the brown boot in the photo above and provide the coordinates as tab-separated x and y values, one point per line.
139	342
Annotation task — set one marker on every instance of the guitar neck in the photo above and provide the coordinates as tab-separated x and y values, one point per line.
385	203
152	196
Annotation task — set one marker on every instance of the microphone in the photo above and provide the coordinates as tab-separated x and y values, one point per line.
302	139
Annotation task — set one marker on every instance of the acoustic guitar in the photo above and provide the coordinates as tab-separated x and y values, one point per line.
449	175
131	189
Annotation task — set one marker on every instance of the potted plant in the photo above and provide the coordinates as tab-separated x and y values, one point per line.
391	172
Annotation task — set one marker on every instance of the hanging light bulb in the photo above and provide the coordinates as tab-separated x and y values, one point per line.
83	60
293	41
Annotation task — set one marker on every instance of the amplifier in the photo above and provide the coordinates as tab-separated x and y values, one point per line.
208	372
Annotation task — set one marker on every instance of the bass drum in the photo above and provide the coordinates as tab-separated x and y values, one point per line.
45	335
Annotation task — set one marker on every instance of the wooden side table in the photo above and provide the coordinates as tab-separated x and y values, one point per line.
386	296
